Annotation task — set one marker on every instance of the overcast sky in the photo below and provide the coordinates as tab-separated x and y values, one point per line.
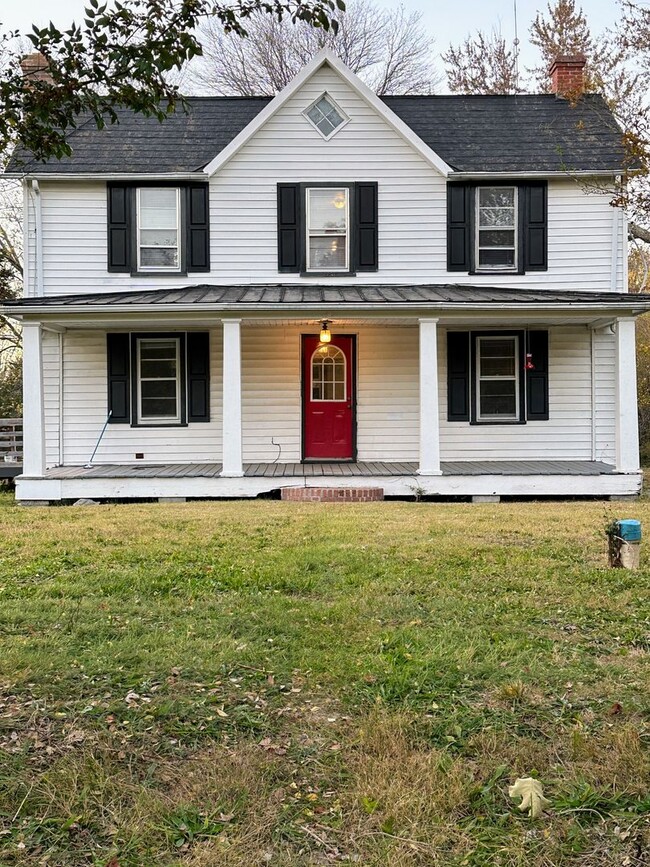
447	20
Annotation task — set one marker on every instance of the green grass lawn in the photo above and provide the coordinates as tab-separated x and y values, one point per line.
256	683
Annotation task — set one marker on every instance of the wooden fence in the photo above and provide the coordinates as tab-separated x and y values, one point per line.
11	447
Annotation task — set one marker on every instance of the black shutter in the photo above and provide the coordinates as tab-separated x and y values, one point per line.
535	226
537	378
119	376
367	242
289	227
119	227
458	376
198	376
198	227
459	227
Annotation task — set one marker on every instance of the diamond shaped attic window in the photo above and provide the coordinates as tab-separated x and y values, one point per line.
326	116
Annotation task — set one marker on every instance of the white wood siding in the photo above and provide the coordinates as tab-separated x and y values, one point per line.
412	211
85	411
568	432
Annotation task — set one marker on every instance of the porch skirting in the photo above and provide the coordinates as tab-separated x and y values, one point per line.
458	479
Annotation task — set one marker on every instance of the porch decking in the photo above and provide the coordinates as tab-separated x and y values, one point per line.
366	469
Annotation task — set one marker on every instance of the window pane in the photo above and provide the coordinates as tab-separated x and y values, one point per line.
158	369
158	388
158	208
497	358
159	408
339	391
496	197
501	258
327	254
159	238
325	116
496	238
151	349
159	257
498	398
327	209
497	217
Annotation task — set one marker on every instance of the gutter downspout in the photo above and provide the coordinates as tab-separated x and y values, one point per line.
38	235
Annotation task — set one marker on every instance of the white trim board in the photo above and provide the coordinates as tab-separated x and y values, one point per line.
614	484
323	58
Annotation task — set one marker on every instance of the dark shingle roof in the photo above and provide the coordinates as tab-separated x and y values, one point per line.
452	294
471	133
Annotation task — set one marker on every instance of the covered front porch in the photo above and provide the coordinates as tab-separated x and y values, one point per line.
398	384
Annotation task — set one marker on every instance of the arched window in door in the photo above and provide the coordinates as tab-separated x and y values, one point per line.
328	380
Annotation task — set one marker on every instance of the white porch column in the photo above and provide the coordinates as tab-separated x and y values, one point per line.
33	410
429	417
232	432
627	423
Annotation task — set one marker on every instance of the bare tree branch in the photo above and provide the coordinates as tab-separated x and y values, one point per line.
482	64
389	49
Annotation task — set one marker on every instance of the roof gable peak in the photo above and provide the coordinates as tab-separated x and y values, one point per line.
326	57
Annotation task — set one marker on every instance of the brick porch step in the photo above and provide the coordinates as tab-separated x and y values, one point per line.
332	495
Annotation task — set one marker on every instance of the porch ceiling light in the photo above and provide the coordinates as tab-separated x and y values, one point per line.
325	333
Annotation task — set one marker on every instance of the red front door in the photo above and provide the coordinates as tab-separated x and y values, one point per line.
328	398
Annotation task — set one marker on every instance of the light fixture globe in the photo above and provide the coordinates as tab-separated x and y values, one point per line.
325	333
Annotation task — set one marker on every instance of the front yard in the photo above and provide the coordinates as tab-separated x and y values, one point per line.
260	683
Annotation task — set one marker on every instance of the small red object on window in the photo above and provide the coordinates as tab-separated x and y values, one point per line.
529	361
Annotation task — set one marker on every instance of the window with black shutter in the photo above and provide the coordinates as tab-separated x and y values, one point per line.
158	379
497	377
158	228
328	228
497	227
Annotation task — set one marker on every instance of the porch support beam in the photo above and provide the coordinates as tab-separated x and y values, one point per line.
627	423
429	412
33	405
232	427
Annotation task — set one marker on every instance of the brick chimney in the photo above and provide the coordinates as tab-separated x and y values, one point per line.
36	67
567	75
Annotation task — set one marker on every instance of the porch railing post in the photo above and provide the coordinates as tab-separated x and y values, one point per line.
33	409
429	412
627	423
232	426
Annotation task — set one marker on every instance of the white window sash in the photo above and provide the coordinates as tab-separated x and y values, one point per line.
171	268
480	378
514	229
321	381
331	233
157	419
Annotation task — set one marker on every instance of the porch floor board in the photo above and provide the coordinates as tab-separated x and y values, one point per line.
312	469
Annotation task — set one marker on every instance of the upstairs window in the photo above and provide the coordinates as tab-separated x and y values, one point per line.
326	116
496	228
328	217
158	229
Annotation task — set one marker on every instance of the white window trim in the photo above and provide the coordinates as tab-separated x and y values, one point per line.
477	210
159	268
516	378
346	118
159	420
322	234
312	399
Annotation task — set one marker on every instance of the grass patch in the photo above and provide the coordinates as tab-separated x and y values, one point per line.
300	684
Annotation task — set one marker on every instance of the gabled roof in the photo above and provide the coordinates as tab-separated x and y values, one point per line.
471	134
446	294
326	57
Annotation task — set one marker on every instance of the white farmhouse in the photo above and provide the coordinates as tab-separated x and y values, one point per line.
331	290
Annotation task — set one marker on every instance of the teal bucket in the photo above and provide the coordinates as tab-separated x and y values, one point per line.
629	530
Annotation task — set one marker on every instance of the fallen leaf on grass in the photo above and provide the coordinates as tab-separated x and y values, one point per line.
532	796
